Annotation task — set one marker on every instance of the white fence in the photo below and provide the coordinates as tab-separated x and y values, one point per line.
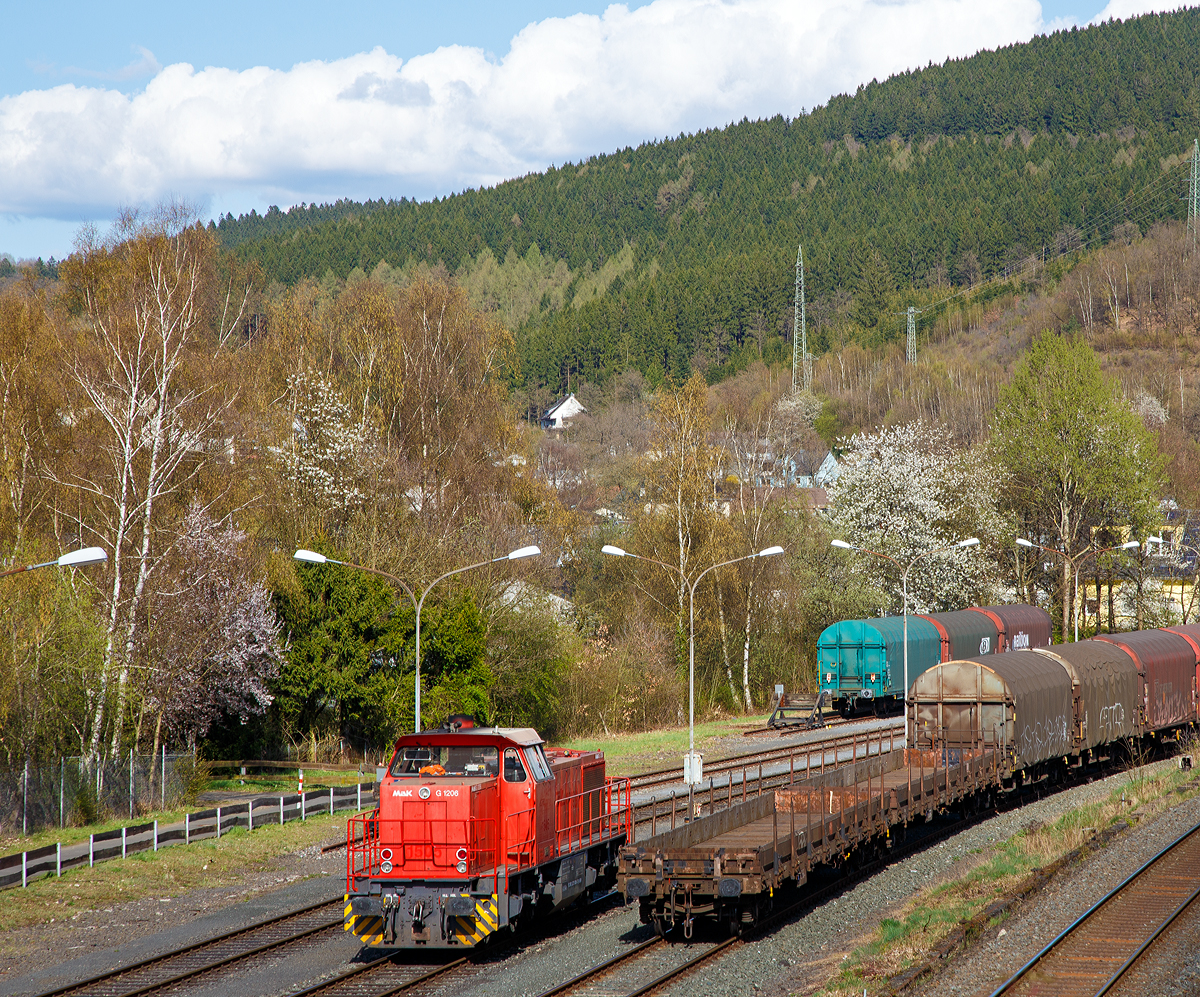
20	868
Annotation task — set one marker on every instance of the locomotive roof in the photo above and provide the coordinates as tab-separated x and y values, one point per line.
524	736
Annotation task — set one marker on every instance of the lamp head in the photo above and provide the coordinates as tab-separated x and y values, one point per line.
1130	545
531	551
78	558
1155	540
610	549
769	551
969	542
1023	543
842	544
310	556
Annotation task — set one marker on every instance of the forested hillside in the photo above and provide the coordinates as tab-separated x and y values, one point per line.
685	248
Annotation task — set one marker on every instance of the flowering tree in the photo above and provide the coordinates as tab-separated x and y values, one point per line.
213	641
332	452
909	489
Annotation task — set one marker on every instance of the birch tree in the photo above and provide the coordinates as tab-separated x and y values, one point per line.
143	428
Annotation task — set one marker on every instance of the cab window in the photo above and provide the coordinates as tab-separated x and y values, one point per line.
514	771
467	760
537	763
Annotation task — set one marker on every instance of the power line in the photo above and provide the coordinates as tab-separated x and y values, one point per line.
1125	208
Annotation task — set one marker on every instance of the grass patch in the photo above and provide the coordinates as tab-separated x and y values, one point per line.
929	919
169	872
282	781
630	754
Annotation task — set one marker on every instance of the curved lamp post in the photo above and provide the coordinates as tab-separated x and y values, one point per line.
905	569
74	559
1074	562
691	770
312	557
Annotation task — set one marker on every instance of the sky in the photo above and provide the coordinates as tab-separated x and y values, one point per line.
235	106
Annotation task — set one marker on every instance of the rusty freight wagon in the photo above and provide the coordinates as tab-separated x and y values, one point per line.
1166	664
728	864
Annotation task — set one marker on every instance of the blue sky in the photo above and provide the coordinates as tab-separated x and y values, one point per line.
100	110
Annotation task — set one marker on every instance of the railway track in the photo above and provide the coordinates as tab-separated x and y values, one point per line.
1092	956
766	756
180	965
647	967
390	974
748	775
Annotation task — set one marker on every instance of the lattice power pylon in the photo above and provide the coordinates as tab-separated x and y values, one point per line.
801	358
1193	197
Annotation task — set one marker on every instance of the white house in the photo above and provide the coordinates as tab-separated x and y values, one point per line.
558	415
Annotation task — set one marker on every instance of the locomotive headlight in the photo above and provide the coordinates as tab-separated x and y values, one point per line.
461	855
461	867
385	867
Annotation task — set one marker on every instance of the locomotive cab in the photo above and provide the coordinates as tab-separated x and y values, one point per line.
476	829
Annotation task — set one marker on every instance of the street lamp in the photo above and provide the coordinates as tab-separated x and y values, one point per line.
312	557
74	559
1072	562
969	542
691	766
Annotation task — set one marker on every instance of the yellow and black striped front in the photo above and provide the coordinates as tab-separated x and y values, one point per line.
473	929
366	927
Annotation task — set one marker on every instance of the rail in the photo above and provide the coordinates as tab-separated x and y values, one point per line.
745	759
1103	944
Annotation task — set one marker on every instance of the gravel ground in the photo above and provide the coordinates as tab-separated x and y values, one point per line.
795	958
37	958
997	956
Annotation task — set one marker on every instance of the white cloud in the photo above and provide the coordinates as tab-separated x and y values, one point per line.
1124	9
567	88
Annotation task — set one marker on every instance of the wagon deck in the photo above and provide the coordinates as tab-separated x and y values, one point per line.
735	858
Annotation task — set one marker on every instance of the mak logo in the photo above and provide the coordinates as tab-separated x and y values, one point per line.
401	792
985	645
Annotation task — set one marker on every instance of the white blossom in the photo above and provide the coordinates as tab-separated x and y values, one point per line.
909	489
331	453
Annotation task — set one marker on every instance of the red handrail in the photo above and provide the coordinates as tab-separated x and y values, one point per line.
433	846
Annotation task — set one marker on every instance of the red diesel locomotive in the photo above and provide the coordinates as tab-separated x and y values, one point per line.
478	829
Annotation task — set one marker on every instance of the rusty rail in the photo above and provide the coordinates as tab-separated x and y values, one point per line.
1092	955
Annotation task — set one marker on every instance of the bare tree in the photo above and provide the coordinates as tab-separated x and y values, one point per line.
143	428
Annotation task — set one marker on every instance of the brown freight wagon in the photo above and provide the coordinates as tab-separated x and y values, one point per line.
1021	701
1166	663
1020	628
1191	633
728	864
1105	691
